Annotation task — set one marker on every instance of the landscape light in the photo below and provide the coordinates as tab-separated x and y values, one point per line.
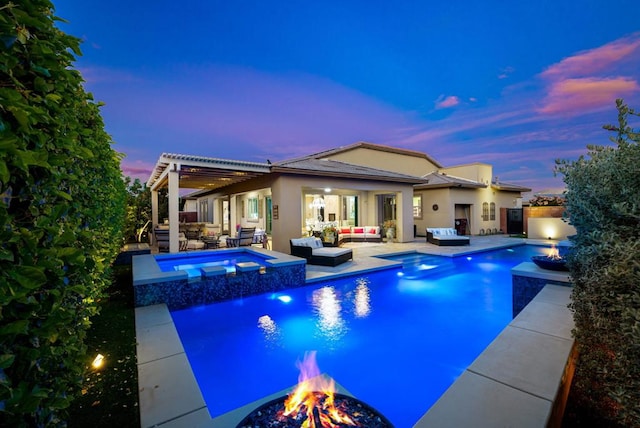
98	361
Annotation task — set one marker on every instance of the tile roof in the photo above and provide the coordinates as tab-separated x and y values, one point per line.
341	169
437	180
371	146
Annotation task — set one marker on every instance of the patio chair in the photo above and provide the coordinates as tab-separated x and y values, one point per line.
243	239
161	237
182	241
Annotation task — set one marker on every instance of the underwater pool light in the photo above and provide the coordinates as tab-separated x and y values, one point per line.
284	298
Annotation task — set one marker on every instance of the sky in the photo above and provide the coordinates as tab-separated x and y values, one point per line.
513	84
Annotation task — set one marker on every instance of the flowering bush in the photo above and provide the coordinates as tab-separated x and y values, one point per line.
389	224
547	201
329	230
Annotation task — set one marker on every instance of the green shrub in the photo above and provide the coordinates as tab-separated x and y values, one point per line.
603	203
61	214
138	211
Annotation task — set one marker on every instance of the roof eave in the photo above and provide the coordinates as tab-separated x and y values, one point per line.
300	171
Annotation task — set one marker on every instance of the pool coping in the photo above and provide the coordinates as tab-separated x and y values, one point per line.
169	395
522	378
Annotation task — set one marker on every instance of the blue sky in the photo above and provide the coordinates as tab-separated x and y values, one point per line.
513	84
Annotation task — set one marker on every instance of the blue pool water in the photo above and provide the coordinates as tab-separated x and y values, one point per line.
191	263
395	339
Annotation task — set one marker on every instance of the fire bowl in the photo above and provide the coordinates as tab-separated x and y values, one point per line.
550	263
270	414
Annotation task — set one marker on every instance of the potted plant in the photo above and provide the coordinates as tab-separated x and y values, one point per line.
390	229
329	234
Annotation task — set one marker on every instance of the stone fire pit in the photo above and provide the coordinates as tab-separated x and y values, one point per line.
271	414
550	263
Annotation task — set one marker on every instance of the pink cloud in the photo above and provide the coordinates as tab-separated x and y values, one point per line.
446	102
594	60
137	169
590	80
571	96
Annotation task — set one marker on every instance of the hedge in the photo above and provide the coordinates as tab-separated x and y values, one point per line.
603	203
61	213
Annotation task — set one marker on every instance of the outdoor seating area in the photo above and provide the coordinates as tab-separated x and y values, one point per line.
359	234
444	236
315	253
209	237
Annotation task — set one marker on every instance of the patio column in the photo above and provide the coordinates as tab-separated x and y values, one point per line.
174	218
154	208
154	215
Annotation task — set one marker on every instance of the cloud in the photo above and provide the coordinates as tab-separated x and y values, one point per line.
594	60
101	75
136	169
506	72
217	109
446	102
590	80
571	96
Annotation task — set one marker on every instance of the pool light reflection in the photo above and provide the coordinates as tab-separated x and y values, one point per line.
327	306
362	299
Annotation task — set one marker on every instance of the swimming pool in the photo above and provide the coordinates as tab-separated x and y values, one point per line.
193	263
395	339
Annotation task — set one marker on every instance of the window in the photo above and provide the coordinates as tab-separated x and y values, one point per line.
252	209
485	211
417	206
204	211
492	211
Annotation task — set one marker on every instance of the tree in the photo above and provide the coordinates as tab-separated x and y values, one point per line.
61	215
603	203
138	209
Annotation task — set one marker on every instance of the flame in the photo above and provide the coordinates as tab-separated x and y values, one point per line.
553	253
314	394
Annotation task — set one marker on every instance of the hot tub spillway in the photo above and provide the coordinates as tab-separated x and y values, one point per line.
271	414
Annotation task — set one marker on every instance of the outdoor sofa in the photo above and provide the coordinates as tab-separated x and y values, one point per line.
359	234
311	248
446	236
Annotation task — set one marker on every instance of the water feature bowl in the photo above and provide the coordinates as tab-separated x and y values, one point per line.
550	263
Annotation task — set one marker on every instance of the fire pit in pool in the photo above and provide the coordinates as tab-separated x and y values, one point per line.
552	261
548	263
314	404
347	412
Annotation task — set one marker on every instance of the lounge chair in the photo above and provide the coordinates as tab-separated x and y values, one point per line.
445	236
316	254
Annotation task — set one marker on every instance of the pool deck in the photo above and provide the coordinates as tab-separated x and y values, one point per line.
170	397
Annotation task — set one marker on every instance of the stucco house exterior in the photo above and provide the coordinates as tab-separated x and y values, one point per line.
362	184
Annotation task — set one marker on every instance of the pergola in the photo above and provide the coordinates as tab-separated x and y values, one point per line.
175	172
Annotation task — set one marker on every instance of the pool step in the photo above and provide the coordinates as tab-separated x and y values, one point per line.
416	266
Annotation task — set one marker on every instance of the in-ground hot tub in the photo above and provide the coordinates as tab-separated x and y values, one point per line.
188	279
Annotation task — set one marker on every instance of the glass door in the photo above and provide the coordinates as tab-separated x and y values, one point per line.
269	216
349	211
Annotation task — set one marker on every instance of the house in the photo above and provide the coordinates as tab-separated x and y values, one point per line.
362	184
